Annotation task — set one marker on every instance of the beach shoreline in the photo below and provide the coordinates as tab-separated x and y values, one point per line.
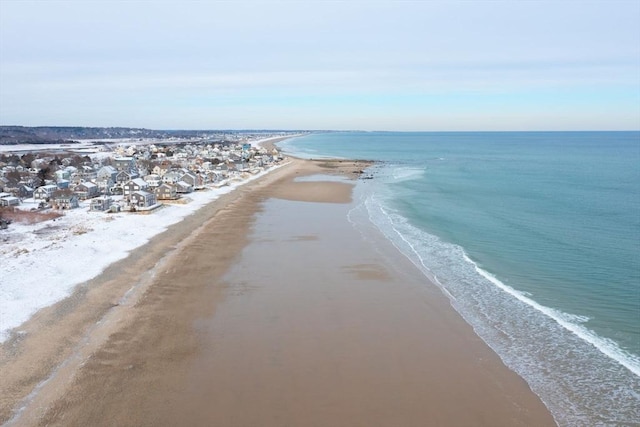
115	334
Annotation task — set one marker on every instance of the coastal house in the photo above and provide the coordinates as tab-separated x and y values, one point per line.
4	183
72	170
143	199
75	180
86	190
62	174
142	171
116	189
194	180
63	184
101	204
107	173
235	157
137	184
166	192
214	176
105	179
255	162
161	169
205	178
44	192
124	164
232	167
24	191
153	180
172	177
184	187
87	172
125	176
8	188
7	199
64	199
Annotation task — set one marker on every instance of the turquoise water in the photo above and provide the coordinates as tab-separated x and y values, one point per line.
534	236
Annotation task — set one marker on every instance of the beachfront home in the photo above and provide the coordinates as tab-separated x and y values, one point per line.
134	185
7	199
105	179
214	176
195	180
44	192
184	187
101	203
64	199
172	177
143	199
166	192
86	190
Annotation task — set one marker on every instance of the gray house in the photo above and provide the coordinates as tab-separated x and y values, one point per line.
125	176
184	187
101	203
172	177
64	200
127	164
9	200
134	185
86	190
24	191
106	173
195	180
166	192
143	199
106	178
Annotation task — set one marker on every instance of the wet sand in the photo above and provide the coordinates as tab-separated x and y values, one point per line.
266	308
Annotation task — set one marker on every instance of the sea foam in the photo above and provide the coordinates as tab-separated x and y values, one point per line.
565	372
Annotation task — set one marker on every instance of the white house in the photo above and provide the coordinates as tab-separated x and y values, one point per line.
44	192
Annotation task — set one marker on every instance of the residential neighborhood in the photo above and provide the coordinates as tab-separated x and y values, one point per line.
133	178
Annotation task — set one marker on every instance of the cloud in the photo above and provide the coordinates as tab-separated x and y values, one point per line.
54	56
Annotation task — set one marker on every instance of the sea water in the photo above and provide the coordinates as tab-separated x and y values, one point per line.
534	237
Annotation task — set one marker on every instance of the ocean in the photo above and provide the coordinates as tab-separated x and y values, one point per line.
535	239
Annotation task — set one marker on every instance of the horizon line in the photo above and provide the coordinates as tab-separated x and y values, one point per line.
314	130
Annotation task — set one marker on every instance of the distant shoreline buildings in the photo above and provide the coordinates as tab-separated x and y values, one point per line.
131	175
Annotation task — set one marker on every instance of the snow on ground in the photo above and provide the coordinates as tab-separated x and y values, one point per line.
85	145
93	146
41	264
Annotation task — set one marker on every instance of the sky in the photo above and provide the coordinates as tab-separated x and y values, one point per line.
340	65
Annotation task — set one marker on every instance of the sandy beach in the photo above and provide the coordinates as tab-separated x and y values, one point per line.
264	308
